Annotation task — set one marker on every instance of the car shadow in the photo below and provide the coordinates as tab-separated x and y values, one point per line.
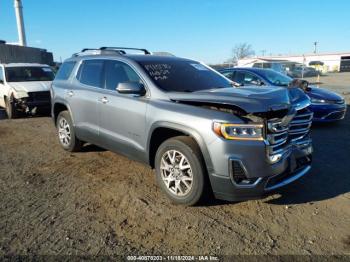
329	176
91	148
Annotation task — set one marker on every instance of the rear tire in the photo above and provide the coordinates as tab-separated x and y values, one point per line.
11	110
180	170
66	133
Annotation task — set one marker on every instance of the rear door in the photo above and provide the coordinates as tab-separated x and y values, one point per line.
122	116
83	99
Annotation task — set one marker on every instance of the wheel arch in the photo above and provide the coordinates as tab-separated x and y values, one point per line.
58	107
162	131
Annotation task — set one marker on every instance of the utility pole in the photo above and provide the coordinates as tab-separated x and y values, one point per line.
20	23
315	47
263	52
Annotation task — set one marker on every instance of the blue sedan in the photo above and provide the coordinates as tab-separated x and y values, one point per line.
326	105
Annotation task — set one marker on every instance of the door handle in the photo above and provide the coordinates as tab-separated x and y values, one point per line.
70	93
104	100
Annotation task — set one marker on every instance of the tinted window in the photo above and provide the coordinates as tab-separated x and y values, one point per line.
228	74
29	73
246	78
65	70
183	75
1	74
118	72
90	72
276	78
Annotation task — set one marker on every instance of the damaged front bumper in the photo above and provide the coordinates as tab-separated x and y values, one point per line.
258	178
33	102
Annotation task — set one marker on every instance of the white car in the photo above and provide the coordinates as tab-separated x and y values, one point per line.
25	88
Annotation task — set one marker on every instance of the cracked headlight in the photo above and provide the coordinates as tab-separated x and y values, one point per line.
239	131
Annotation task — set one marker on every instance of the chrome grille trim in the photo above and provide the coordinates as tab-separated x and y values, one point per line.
279	138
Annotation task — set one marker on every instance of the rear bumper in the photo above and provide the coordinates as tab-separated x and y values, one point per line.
290	168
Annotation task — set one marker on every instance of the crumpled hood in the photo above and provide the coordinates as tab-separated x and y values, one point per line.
321	93
31	86
250	99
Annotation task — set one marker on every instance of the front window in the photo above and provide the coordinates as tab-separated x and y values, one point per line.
29	73
276	78
183	75
119	72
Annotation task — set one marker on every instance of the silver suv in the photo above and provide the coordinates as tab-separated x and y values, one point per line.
200	132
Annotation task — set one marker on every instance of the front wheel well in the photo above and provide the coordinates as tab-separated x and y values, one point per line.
58	108
159	135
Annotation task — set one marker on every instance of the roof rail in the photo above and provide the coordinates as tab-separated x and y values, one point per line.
108	50
126	48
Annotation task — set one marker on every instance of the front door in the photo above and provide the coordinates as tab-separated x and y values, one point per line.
122	116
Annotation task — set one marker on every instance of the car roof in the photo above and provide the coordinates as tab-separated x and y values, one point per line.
133	57
250	69
24	64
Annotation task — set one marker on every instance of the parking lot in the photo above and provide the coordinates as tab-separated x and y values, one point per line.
99	203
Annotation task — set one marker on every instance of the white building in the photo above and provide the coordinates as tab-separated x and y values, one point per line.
332	62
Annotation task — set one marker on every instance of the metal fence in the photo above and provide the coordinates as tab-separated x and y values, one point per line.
22	54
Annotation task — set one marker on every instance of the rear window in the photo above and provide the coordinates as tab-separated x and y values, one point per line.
90	72
65	70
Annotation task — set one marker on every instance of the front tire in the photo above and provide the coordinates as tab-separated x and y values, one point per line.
66	133
11	109
180	170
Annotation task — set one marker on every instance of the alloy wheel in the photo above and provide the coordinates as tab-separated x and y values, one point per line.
176	173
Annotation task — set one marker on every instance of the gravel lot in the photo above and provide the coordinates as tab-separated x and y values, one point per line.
100	203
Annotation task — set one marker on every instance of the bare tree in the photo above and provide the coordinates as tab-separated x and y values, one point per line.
240	51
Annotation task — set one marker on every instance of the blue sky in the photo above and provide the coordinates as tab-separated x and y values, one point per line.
206	30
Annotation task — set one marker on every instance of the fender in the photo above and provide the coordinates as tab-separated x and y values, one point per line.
188	131
62	102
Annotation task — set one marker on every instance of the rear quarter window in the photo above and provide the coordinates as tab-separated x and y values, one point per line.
65	70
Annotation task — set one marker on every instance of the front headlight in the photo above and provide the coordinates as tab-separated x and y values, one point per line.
315	101
239	131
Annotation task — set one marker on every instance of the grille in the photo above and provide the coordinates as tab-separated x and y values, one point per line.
300	125
39	96
280	136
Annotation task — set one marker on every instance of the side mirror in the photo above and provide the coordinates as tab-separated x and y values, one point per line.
134	88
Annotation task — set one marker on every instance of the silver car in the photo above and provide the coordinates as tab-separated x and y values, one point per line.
190	123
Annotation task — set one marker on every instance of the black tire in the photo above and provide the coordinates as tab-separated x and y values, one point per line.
11	110
189	148
74	144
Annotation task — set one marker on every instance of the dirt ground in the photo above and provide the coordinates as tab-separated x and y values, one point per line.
100	203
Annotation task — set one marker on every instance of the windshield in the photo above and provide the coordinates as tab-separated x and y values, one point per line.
276	78
29	73
183	75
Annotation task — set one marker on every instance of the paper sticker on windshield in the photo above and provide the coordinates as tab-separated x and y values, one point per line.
47	69
158	71
200	67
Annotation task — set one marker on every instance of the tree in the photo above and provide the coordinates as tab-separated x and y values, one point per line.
241	51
